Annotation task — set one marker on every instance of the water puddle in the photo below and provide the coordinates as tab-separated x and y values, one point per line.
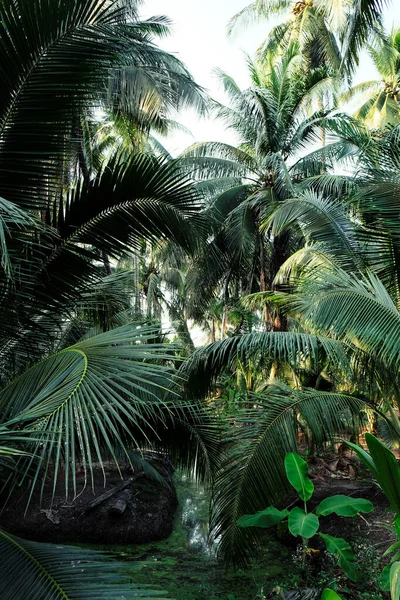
193	515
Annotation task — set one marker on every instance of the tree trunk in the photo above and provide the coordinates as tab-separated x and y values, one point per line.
182	330
323	136
263	283
212	330
263	287
106	262
279	321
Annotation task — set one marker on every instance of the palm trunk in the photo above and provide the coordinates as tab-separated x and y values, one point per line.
263	284
181	328
106	262
279	322
323	135
212	330
224	324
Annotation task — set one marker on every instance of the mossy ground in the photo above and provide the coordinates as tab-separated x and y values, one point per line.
183	567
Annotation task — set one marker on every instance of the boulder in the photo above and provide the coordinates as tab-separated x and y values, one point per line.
130	508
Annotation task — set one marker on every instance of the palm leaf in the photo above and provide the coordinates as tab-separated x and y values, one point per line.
322	220
251	472
204	366
106	391
359	311
60	58
31	570
362	19
258	10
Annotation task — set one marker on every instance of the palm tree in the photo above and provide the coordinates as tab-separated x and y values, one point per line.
74	389
328	32
89	58
342	353
277	120
378	100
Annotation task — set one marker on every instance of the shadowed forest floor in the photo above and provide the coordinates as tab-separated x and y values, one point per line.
183	566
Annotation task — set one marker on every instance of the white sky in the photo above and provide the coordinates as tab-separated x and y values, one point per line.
199	39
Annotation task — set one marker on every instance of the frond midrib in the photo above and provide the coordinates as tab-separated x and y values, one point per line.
39	566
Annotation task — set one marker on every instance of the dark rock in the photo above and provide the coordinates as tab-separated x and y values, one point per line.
148	514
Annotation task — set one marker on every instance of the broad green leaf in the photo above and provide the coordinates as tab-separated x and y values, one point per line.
396	557
384	579
388	471
301	523
395	581
365	458
265	518
344	506
330	595
340	548
297	474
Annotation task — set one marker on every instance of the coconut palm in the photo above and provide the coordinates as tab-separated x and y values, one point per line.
61	62
87	211
343	346
278	122
56	224
329	32
305	25
379	100
74	389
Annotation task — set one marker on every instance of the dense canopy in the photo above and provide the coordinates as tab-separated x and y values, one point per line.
283	251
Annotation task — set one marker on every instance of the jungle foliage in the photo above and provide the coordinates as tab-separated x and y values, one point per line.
284	250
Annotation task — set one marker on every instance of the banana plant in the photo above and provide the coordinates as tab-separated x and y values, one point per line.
305	524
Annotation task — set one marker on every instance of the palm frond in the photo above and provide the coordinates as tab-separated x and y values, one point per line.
321	220
362	19
13	222
105	391
207	363
251	475
59	61
242	164
358	310
129	200
64	573
142	197
258	10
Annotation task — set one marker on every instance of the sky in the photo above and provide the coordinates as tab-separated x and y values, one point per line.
200	40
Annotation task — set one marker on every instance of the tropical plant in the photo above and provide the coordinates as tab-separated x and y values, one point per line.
330	595
89	213
64	572
63	62
306	524
277	120
385	469
333	31
75	388
378	100
341	295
